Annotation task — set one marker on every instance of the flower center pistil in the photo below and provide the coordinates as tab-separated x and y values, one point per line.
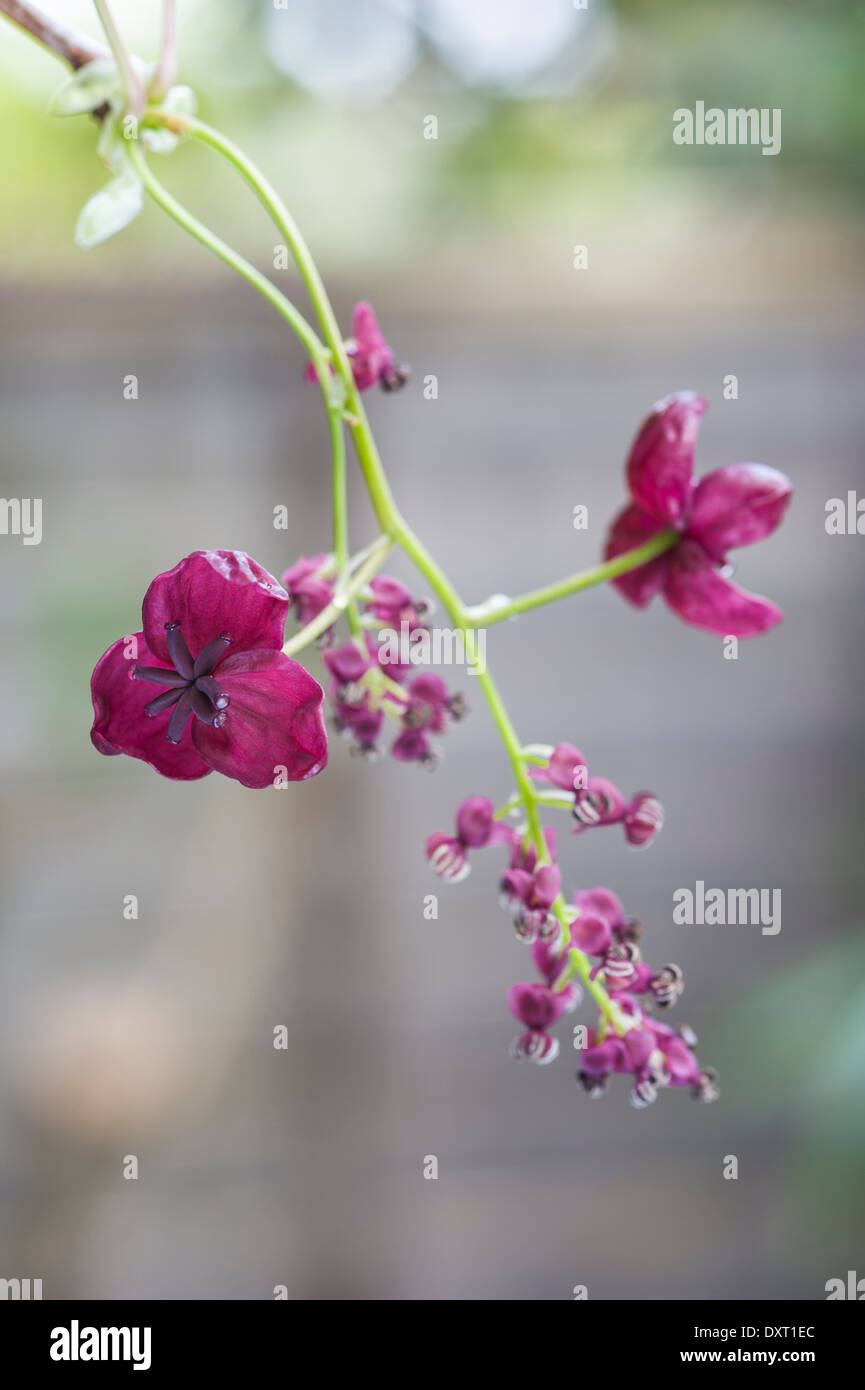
192	688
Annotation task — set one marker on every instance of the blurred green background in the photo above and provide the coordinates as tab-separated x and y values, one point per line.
154	1037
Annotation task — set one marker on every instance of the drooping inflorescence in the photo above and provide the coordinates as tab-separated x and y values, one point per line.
230	698
629	1038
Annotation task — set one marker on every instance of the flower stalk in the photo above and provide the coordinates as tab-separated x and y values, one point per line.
213	628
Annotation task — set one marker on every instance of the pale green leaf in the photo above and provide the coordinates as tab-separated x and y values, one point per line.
109	211
89	87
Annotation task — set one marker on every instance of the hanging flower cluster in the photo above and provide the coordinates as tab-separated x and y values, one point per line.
372	678
636	1043
209	682
229	699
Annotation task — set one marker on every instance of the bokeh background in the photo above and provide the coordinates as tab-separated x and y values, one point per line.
154	1038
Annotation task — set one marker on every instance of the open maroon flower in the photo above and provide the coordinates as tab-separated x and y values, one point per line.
732	506
230	702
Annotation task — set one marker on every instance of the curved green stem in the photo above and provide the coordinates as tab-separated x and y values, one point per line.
226	253
485	614
301	327
370	462
340	512
393	524
271	201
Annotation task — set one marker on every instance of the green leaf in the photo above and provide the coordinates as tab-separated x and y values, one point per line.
89	87
109	211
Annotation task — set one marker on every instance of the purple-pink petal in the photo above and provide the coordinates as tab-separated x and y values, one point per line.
274	730
591	933
603	902
640	1043
682	1065
632	527
737	505
389	597
120	724
368	352
661	460
475	821
547	885
211	592
346	663
700	595
604	1057
517	884
535	1004
411	746
564	760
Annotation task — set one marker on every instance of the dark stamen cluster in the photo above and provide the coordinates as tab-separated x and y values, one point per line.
192	688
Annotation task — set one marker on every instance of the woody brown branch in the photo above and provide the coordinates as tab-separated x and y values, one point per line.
74	49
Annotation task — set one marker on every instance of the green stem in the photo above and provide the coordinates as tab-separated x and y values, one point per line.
136	99
485	614
393	524
271	201
340	512
370	462
341	599
226	253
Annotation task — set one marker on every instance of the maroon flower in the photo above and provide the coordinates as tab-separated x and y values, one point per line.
308	590
231	702
536	1006
392	603
732	506
372	359
598	801
475	828
529	896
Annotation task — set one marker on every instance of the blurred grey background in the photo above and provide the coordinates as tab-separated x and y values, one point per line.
304	907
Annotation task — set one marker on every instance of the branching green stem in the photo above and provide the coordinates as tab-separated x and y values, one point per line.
341	599
394	526
496	611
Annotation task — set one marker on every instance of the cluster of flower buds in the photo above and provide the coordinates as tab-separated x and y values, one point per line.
653	1054
598	801
371	676
631	1040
